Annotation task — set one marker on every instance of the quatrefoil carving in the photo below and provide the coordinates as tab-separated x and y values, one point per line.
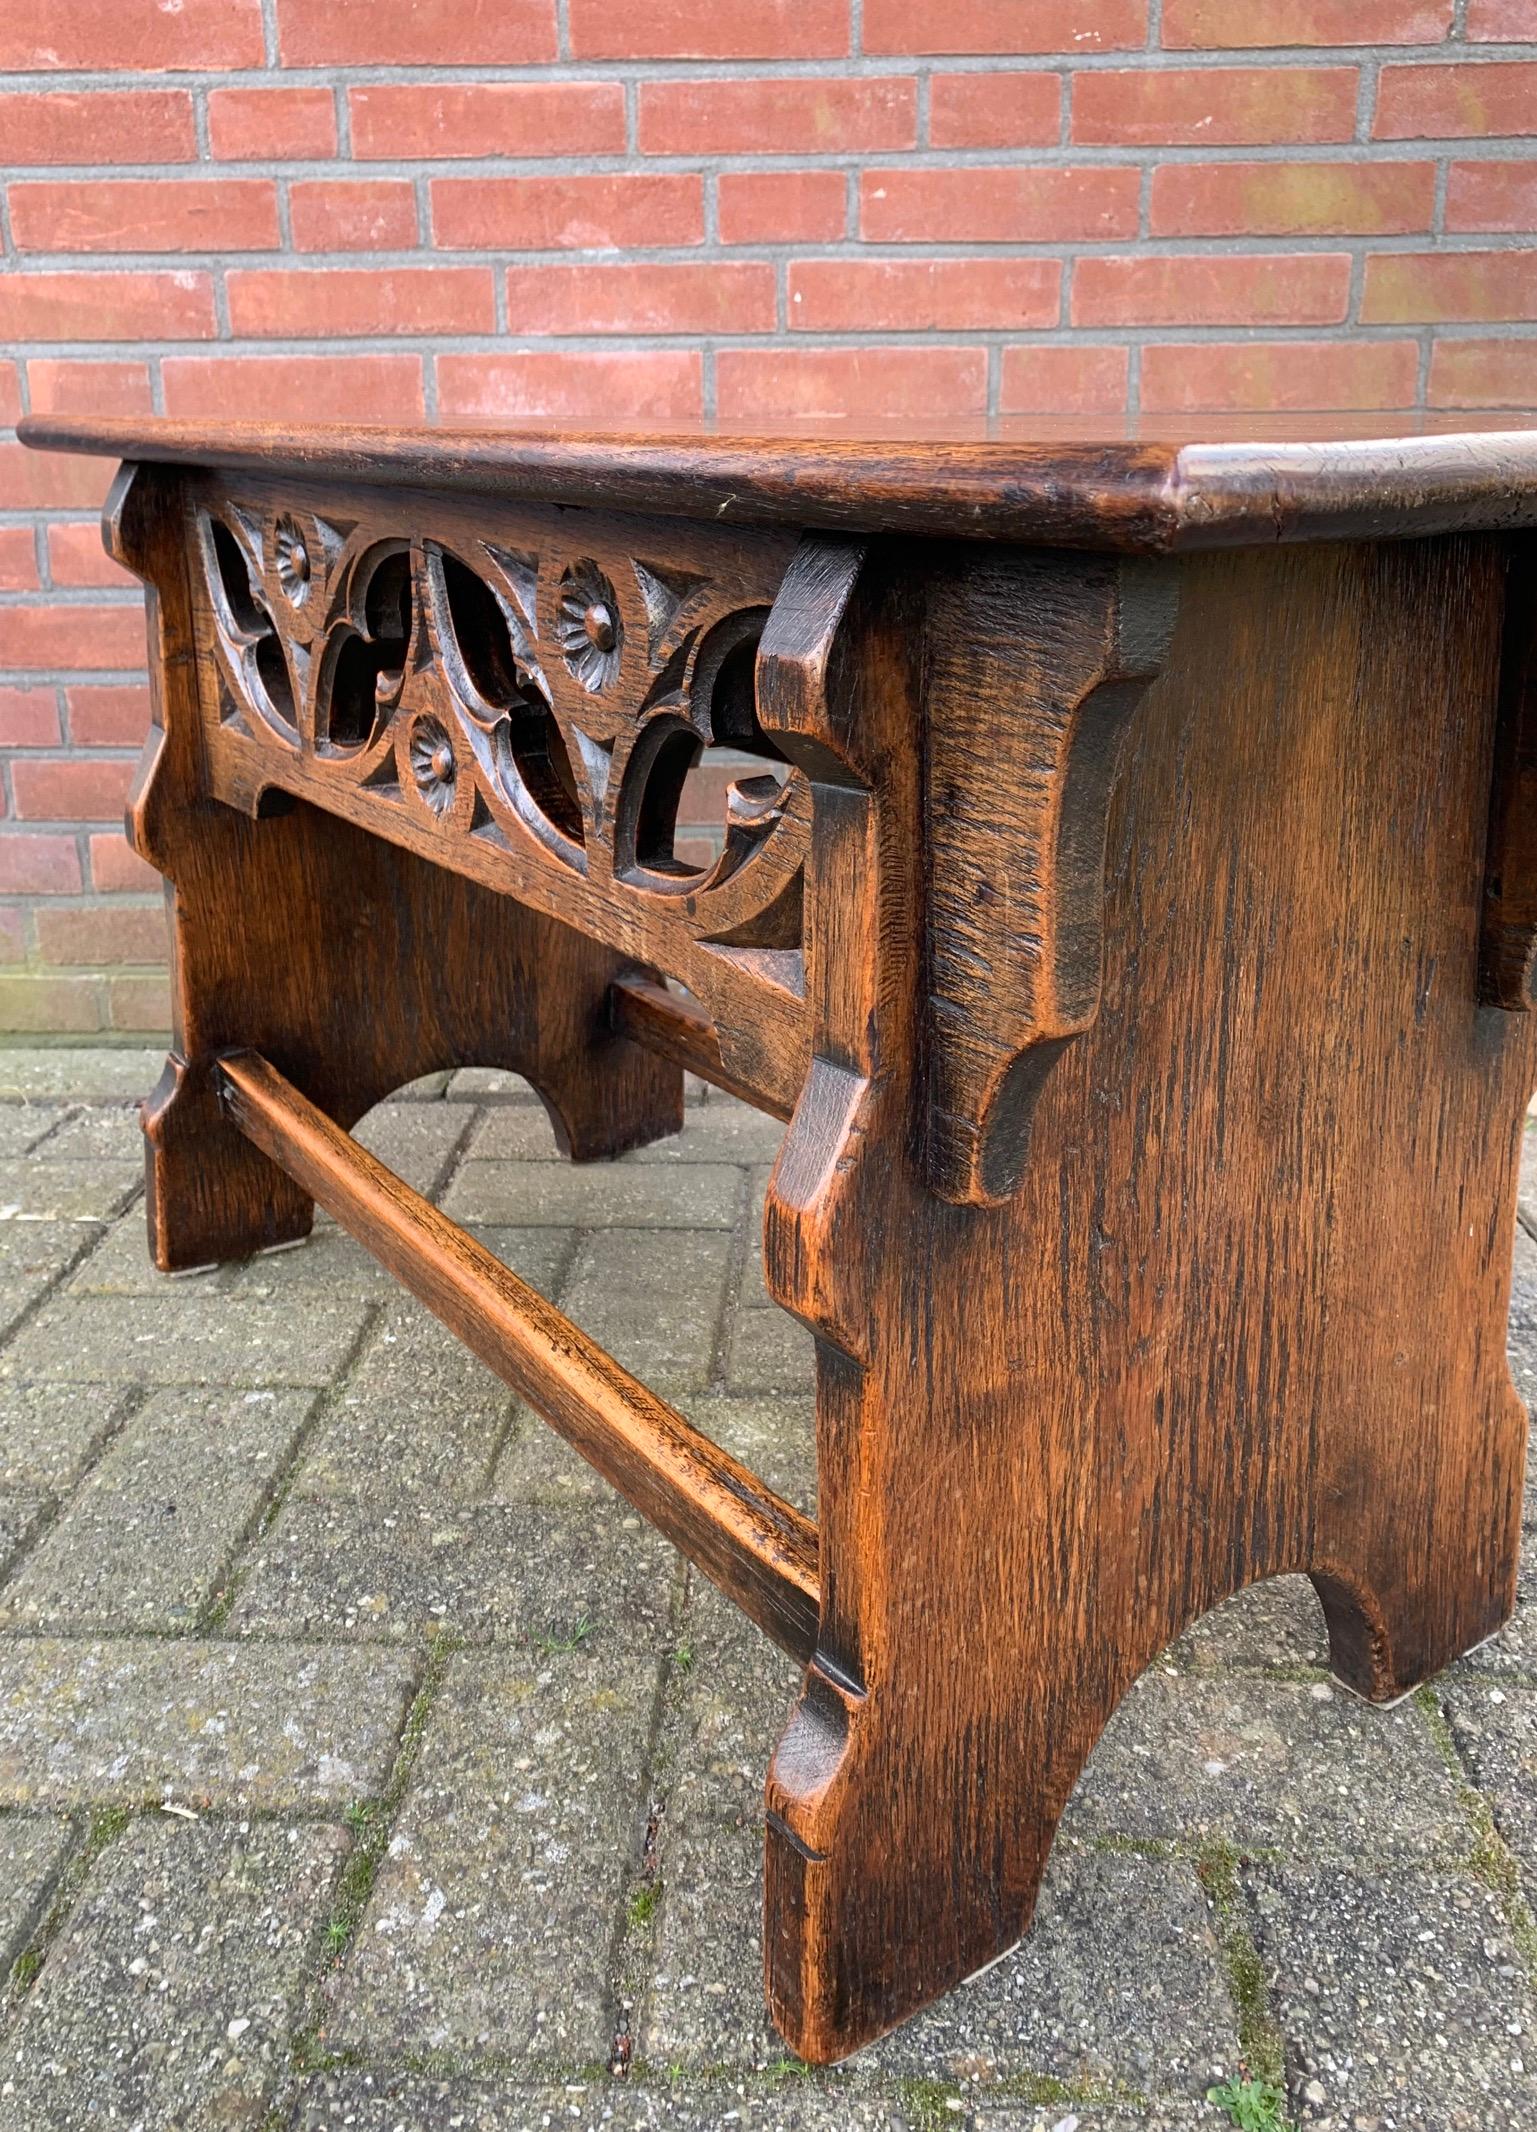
514	692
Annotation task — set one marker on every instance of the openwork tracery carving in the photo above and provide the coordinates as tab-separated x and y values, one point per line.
542	695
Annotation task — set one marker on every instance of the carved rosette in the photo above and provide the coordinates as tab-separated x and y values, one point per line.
514	694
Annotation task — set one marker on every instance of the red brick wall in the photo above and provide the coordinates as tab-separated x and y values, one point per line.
560	208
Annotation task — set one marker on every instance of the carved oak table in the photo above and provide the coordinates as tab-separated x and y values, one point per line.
1132	912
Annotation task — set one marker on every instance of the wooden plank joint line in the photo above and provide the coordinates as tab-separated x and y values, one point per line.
760	1550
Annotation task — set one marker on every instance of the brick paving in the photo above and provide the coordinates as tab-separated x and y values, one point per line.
365	1764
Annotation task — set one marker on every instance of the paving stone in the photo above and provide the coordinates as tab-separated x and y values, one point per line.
118	1263
596	1195
775	1437
167	1998
1496	1733
1511	1653
372	2102
49	1433
1270	1763
1059	2117
1527	1197
427	1088
189	1334
18	1515
1276	1623
109	1132
752	1293
23	1125
131	1721
488	1084
330	1262
770	1352
32	1849
1432	2032
1523	1283
344	1569
83	1074
39	1190
142	1545
654	1301
489	1928
721	1131
33	1255
415	1140
730	1693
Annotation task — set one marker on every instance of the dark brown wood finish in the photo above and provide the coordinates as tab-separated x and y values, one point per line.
1129	938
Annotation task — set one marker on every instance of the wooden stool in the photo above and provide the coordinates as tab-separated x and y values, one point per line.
1133	916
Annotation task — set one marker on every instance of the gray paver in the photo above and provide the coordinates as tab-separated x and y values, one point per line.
1267	1763
50	1432
189	1334
770	1352
1495	1728
118	1263
127	1721
107	1132
654	1301
490	1925
77	1073
1432	2032
363	2102
415	1140
1276	1623
596	1195
23	1125
167	1997
340	1568
142	1544
33	1255
1063	2117
722	1130
88	1190
32	1849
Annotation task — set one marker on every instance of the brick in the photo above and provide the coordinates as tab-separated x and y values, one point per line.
1483	373
18	559
83	790
13	935
618	210
86	935
1445	100
994	110
1213	107
38	865
1502	21
51	480
414	33
893	384
352	215
143	35
29	718
330	388
115	867
917	295
267	125
1292	199
108	715
632	384
1188	24
139	1005
1069	380
806	115
734	297
37	1004
157	214
97	126
1200	289
128	305
76	557
83	635
710	29
1010	205
781	206
135	1720
1492	196
394	122
1425	287
360	300
1180	377
10	395
989	27
61	385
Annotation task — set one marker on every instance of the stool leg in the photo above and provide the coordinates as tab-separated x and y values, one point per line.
353	965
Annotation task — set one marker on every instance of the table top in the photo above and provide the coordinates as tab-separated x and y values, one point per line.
1147	485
